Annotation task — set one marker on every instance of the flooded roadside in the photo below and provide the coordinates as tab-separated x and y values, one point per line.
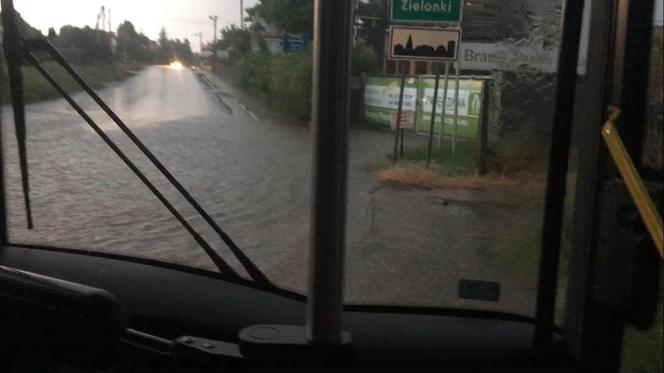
405	245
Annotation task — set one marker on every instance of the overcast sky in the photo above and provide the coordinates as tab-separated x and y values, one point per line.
181	18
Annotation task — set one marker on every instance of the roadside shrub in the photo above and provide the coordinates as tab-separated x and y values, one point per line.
290	84
364	60
252	72
284	81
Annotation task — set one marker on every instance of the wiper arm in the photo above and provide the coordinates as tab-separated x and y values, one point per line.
248	265
15	49
12	51
43	44
218	261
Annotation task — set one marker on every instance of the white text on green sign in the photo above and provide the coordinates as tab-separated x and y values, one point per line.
427	10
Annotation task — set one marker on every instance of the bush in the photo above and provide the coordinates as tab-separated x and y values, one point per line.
291	84
252	72
364	60
284	81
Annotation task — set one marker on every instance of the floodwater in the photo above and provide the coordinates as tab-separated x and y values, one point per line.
405	246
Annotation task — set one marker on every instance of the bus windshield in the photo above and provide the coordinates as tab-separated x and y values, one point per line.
445	186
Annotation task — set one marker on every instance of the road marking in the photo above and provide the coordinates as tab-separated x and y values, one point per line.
250	112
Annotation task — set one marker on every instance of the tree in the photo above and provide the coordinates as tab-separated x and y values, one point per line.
165	47
94	45
287	15
182	50
52	35
373	16
128	43
236	40
364	59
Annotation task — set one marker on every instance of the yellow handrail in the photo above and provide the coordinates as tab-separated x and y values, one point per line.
637	189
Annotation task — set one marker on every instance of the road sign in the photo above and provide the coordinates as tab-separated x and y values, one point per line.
295	42
427	11
424	44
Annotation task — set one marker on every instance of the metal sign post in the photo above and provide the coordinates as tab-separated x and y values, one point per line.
398	124
442	119
433	116
432	43
456	108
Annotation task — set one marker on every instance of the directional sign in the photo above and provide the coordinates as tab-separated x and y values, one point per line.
424	44
295	42
428	11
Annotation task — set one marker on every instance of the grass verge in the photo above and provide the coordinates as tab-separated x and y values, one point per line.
421	177
36	88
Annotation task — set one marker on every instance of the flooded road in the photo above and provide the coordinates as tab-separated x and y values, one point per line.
405	246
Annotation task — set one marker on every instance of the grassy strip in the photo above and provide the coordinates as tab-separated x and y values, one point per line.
36	88
446	171
421	177
462	163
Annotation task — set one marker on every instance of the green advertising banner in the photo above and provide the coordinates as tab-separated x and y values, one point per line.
381	100
469	106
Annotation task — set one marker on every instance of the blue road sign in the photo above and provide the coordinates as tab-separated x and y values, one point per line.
295	42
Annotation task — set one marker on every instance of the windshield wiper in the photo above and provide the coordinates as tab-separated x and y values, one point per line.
247	264
221	264
43	45
12	49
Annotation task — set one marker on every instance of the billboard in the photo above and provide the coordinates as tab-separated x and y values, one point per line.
381	100
469	106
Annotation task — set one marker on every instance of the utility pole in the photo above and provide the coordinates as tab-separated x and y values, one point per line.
200	40
214	22
242	14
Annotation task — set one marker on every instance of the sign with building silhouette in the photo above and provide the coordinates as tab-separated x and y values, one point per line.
424	44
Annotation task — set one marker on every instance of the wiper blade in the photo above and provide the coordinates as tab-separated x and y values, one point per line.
12	51
251	269
218	261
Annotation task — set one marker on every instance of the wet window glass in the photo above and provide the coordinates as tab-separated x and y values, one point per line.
446	195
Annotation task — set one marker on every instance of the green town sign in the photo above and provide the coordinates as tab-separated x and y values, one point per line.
430	11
